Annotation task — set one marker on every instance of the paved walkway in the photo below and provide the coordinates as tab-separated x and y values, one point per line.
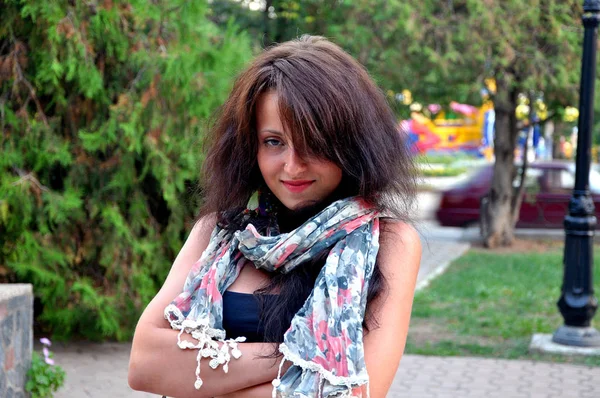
100	370
460	377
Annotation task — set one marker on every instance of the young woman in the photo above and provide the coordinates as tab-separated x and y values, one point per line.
302	247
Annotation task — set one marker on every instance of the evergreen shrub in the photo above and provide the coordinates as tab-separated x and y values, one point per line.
102	108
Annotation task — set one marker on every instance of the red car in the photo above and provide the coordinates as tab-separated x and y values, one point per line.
548	188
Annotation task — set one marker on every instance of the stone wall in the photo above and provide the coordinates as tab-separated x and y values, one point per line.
16	335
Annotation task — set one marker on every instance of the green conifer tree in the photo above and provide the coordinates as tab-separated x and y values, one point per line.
102	108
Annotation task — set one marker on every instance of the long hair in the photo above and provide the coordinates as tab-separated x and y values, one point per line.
332	110
335	111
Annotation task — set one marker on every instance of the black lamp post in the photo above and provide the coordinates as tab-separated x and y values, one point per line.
577	303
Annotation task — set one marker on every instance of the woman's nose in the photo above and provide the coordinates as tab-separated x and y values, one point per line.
294	163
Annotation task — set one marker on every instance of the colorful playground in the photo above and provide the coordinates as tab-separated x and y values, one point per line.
463	128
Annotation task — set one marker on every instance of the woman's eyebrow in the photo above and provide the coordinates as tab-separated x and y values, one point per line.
272	131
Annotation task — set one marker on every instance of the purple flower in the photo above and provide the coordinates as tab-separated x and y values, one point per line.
47	343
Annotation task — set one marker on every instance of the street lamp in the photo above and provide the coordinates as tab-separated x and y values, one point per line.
577	303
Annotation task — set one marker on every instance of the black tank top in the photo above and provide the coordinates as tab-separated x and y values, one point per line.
241	316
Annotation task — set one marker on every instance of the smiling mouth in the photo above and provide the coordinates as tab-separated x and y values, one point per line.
297	186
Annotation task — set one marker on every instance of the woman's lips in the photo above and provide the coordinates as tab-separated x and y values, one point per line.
297	186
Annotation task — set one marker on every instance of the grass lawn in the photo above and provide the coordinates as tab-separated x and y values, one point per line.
445	165
442	159
448	171
490	303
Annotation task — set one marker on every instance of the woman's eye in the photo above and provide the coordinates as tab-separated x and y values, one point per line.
272	142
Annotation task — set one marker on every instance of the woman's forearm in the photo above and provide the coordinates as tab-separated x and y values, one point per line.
159	366
260	391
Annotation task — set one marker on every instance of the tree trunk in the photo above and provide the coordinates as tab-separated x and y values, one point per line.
549	137
519	192
497	208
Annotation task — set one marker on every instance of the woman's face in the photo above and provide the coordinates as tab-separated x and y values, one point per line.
296	181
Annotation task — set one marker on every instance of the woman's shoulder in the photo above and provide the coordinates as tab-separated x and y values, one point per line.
399	241
393	231
204	227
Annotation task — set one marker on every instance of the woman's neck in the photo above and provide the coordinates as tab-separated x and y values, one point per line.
289	219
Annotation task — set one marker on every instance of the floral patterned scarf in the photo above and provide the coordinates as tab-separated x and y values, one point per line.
325	339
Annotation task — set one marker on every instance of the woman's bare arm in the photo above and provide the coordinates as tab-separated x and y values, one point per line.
159	366
166	369
398	259
260	391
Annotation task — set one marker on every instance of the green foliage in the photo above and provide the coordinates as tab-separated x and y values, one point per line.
531	45
102	110
43	379
440	51
373	31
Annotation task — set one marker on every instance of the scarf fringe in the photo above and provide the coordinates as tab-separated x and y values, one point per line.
211	342
348	382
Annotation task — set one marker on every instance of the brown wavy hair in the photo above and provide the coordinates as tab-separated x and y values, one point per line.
333	110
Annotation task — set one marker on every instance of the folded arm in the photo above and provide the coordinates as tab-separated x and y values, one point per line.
157	365
260	391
